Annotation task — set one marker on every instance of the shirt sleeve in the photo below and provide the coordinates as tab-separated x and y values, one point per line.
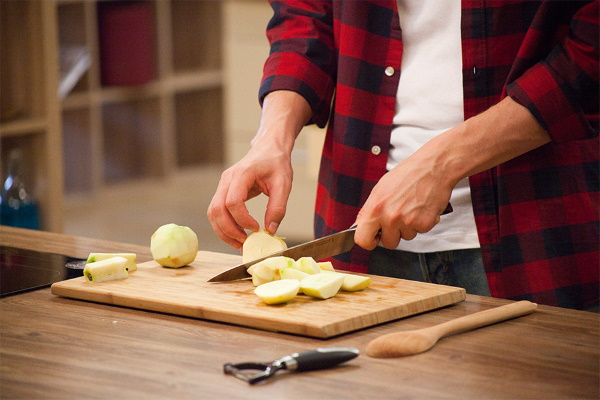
561	91
302	57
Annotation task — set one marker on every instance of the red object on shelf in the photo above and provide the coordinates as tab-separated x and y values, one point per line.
127	37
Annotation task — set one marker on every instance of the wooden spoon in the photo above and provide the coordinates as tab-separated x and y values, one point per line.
406	343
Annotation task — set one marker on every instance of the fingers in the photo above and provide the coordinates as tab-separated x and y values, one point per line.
378	223
367	232
239	191
227	212
276	207
369	235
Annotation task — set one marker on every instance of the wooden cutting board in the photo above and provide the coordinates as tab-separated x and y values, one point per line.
185	291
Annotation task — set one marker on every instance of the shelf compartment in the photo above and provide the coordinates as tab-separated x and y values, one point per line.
132	140
21	72
196	35
78	152
127	42
199	127
75	57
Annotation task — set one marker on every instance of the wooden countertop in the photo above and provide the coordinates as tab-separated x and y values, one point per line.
58	348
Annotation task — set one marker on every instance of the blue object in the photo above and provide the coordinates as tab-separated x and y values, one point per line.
17	206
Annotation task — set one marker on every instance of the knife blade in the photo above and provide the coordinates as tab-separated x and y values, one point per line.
318	249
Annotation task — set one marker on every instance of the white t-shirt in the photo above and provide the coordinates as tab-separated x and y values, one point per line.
430	101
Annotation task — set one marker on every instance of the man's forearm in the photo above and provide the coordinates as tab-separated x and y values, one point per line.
501	133
284	113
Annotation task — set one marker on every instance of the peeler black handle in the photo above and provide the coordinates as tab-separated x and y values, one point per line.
318	359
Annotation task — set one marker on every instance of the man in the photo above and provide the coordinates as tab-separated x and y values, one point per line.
528	144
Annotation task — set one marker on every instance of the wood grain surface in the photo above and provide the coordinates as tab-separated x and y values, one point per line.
185	291
53	347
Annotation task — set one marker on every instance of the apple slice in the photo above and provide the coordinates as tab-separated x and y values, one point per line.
323	285
354	283
260	244
326	266
106	270
293	273
307	265
257	281
270	269
131	265
277	292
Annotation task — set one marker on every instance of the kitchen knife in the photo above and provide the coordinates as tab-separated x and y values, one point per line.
318	249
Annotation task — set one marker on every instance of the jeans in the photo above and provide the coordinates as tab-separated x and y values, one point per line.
460	268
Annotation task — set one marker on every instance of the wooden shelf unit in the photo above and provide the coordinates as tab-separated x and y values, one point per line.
30	113
114	134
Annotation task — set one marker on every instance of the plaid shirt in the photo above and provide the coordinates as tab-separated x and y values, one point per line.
537	215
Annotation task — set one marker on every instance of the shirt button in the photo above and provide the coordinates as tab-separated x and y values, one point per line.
376	150
389	71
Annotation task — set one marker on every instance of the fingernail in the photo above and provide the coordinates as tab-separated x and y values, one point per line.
273	227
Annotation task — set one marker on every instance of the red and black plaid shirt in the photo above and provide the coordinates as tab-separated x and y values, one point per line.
537	215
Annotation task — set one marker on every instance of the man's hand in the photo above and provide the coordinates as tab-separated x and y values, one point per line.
410	198
265	169
406	201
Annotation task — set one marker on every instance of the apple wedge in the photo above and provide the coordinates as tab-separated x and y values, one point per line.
293	273
354	283
131	265
322	285
307	265
260	244
106	270
269	270
277	292
326	266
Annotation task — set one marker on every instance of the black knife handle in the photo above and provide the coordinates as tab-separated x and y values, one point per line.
448	209
319	359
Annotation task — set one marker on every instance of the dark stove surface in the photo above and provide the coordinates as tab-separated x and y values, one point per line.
22	270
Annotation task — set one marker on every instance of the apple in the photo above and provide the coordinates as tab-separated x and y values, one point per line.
131	265
260	244
293	273
326	266
277	292
353	283
322	285
106	270
269	269
174	246
307	265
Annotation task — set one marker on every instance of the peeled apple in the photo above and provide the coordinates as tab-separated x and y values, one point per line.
293	273
269	270
326	266
308	265
353	283
131	265
106	270
323	285
174	246
260	244
277	292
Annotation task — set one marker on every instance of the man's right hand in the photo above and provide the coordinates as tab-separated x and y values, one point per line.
265	169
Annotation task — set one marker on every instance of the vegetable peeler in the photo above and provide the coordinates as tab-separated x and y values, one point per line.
254	372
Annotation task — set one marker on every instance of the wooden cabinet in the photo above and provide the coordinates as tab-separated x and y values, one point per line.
114	134
30	113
